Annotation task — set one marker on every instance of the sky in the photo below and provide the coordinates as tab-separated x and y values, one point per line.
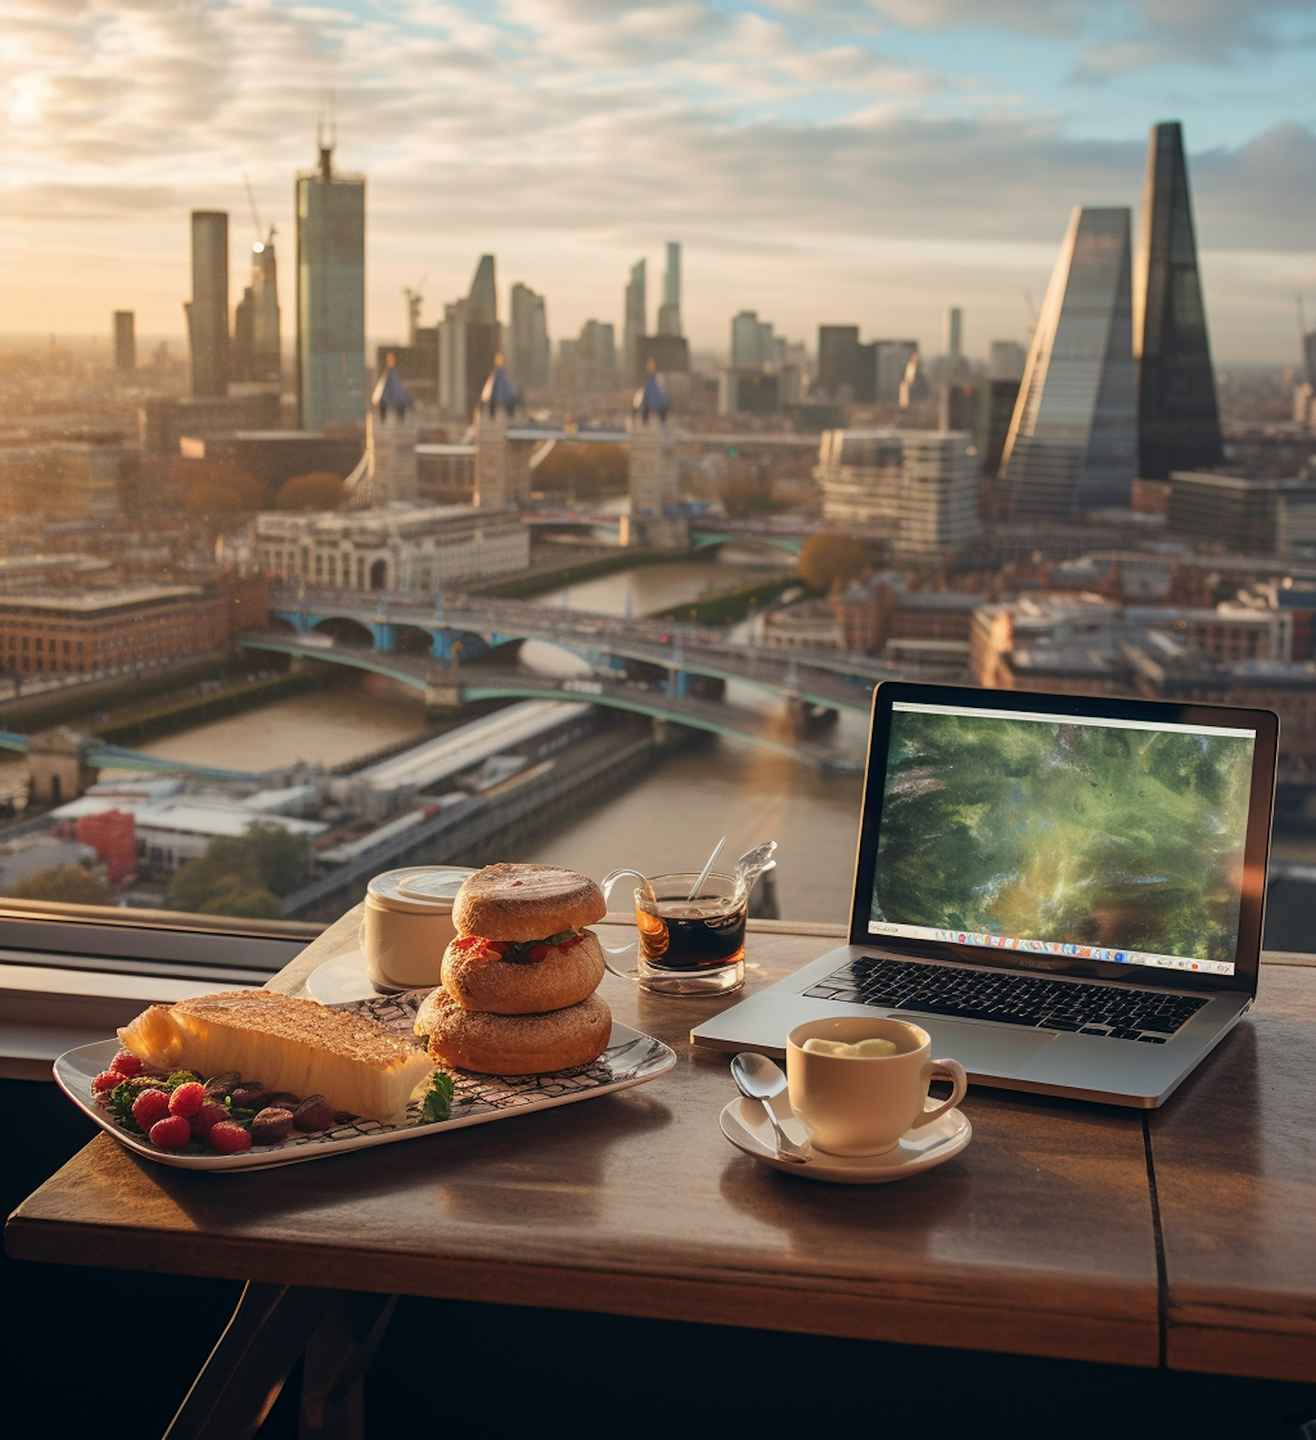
821	161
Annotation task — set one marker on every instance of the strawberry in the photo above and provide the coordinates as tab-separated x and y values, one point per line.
150	1106
126	1063
212	1113
106	1081
187	1099
171	1133
229	1138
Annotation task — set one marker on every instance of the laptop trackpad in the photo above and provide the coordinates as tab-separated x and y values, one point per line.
982	1047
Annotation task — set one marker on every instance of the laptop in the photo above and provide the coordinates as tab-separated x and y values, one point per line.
1067	893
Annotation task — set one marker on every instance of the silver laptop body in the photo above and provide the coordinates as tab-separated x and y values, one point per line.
1180	1011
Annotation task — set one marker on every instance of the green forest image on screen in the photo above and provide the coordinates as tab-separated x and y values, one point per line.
1090	835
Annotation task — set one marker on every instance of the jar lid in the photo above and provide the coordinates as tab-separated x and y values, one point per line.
421	889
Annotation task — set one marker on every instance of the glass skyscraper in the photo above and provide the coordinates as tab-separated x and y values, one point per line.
207	311
1072	444
669	312
331	296
1178	420
635	310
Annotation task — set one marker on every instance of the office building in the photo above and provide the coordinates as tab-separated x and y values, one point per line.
256	324
469	341
125	342
1178	418
162	423
529	344
752	341
419	548
331	295
892	360
915	387
957	406
207	311
1261	515
1072	444
838	359
1007	360
667	354
588	364
916	489
996	399
954	342
669	312
1309	357
635	310
752	390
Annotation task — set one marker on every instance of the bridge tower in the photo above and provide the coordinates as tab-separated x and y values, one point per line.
502	466
655	517
388	469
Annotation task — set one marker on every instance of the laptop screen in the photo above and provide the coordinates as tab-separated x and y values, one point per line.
1103	839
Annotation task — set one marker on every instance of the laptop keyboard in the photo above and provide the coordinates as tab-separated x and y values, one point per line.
1116	1012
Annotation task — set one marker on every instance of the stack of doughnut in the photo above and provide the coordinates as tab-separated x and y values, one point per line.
518	981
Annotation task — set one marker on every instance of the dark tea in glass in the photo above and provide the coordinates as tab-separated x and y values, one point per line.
692	946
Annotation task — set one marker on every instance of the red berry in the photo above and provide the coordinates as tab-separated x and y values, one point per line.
106	1081
187	1099
171	1133
150	1106
212	1113
126	1063
229	1138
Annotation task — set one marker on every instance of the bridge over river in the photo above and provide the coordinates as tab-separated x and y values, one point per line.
446	684
471	628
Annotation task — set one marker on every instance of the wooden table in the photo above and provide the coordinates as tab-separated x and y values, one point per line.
1050	1236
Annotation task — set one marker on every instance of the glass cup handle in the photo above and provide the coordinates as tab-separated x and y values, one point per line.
607	885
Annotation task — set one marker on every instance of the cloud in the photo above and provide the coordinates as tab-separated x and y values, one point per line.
1213	33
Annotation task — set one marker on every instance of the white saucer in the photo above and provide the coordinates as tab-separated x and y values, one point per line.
746	1126
341	980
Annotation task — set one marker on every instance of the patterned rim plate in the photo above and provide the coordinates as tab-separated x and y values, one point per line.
632	1058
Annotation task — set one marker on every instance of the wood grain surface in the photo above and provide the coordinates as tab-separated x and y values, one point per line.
1234	1155
1038	1239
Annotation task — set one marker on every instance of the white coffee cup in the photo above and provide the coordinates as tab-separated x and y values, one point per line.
406	924
862	1105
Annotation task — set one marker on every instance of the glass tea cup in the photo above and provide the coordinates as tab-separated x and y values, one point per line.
686	946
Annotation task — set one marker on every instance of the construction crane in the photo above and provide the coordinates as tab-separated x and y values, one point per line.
414	295
261	238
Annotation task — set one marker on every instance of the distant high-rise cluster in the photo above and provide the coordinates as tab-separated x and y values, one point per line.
255	354
125	342
331	295
469	341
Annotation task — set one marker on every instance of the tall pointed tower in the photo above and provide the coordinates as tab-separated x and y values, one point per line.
1072	443
502	466
654	518
392	431
1178	419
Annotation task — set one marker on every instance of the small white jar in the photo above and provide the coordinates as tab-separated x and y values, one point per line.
406	924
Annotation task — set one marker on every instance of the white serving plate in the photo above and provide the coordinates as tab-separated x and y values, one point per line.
632	1058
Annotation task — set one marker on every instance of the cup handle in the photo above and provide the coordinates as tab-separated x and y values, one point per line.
950	1070
606	885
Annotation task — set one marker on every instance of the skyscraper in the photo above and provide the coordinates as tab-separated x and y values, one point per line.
1073	440
207	311
331	294
125	342
483	332
838	358
529	344
752	340
453	390
256	321
954	341
1178	420
669	312
635	311
1008	358
893	357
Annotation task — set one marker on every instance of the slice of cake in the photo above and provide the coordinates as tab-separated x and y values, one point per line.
299	1046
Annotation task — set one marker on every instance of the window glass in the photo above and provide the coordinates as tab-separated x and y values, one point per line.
453	432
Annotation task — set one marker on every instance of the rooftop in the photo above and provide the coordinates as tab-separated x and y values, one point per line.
94	601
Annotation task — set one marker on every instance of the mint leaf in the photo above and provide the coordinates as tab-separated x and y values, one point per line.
437	1104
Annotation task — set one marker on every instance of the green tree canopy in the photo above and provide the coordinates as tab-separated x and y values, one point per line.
69	883
253	869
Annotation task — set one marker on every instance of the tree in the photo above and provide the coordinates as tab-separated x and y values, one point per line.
828	559
320	490
252	869
69	883
216	487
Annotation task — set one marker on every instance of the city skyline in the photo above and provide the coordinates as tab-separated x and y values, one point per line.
752	135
